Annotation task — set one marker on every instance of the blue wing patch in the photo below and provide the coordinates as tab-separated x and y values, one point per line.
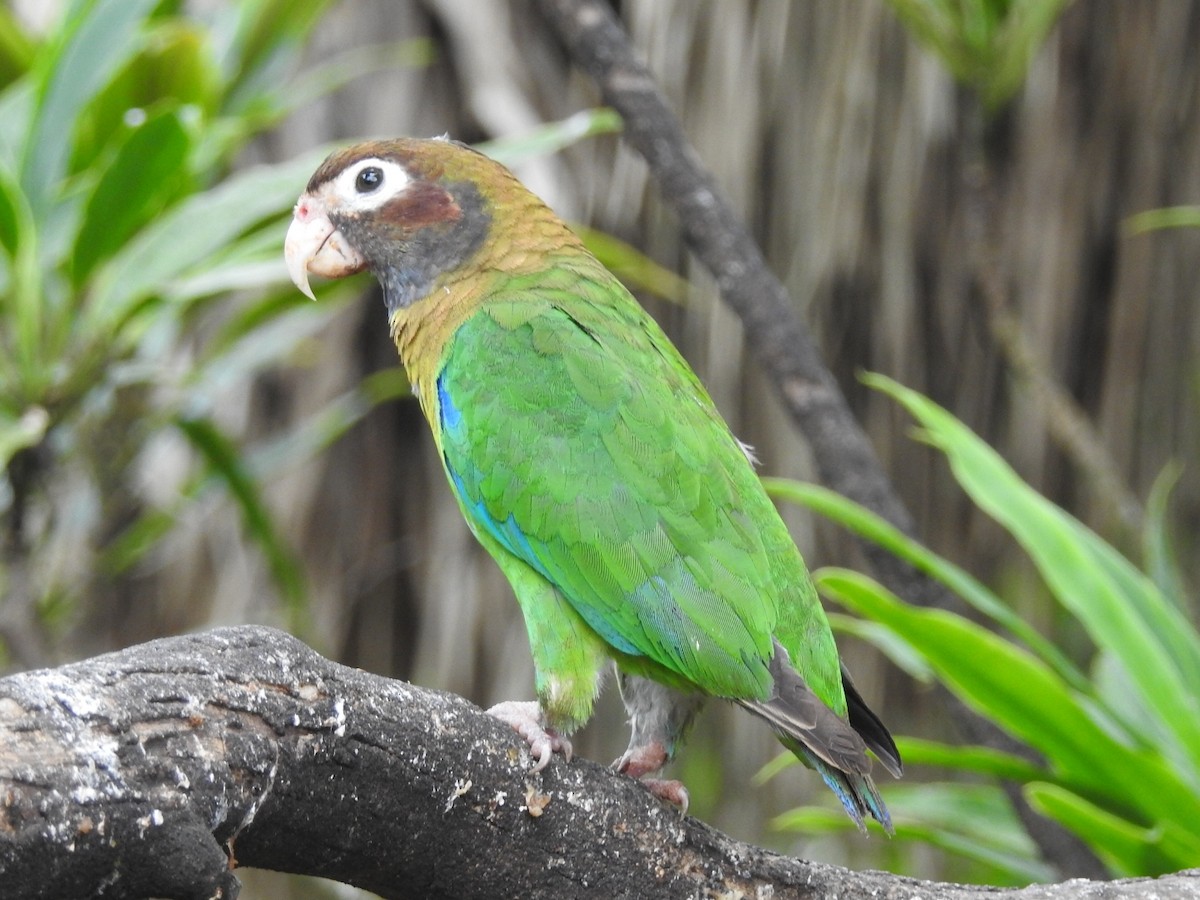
506	531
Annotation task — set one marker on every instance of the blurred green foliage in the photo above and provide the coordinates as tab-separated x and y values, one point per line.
122	220
986	44
1120	737
124	224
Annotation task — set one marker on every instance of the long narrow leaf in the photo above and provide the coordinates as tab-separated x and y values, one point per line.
103	37
192	231
1128	848
1121	609
979	760
224	461
22	308
147	173
874	528
1026	698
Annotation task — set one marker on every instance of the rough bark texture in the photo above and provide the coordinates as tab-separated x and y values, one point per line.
145	772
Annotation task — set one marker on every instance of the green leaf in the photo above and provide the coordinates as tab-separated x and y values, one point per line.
987	45
1122	610
874	528
339	70
264	34
14	213
979	760
16	48
891	644
1167	217
187	235
173	68
1024	697
22	303
554	136
970	821
103	36
1159	554
222	457
636	271
1126	847
320	430
148	173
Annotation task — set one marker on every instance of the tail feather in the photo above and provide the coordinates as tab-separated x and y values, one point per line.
795	711
873	732
824	741
857	792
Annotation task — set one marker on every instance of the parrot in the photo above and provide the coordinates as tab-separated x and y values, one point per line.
590	462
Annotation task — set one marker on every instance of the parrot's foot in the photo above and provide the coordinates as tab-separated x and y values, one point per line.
525	717
668	789
638	762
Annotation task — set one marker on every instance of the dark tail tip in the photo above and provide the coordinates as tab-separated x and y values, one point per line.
869	727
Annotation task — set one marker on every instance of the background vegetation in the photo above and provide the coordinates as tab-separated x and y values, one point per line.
948	191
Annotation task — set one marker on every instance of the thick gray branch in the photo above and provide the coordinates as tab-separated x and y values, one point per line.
146	772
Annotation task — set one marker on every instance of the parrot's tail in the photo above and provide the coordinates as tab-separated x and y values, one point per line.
835	747
857	792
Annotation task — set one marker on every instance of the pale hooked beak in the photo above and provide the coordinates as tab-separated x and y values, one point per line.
314	245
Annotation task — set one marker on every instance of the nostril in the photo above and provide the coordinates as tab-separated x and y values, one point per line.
302	210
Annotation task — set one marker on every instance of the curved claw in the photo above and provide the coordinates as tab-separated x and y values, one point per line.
525	718
671	791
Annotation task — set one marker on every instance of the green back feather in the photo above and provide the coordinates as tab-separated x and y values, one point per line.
576	435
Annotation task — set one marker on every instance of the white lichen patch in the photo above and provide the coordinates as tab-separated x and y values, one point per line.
460	789
582	801
152	819
309	693
337	721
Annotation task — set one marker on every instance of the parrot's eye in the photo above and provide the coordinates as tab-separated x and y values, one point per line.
369	184
368	180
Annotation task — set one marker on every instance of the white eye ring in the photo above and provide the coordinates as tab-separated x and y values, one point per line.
392	182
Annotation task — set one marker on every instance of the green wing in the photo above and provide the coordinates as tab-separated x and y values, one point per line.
577	437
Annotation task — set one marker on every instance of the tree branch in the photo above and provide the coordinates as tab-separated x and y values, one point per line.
149	771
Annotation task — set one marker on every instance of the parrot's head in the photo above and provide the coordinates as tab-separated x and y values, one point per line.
408	210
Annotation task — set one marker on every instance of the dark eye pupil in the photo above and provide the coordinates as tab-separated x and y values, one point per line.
368	179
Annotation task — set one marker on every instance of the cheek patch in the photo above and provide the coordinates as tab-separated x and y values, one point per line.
422	205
